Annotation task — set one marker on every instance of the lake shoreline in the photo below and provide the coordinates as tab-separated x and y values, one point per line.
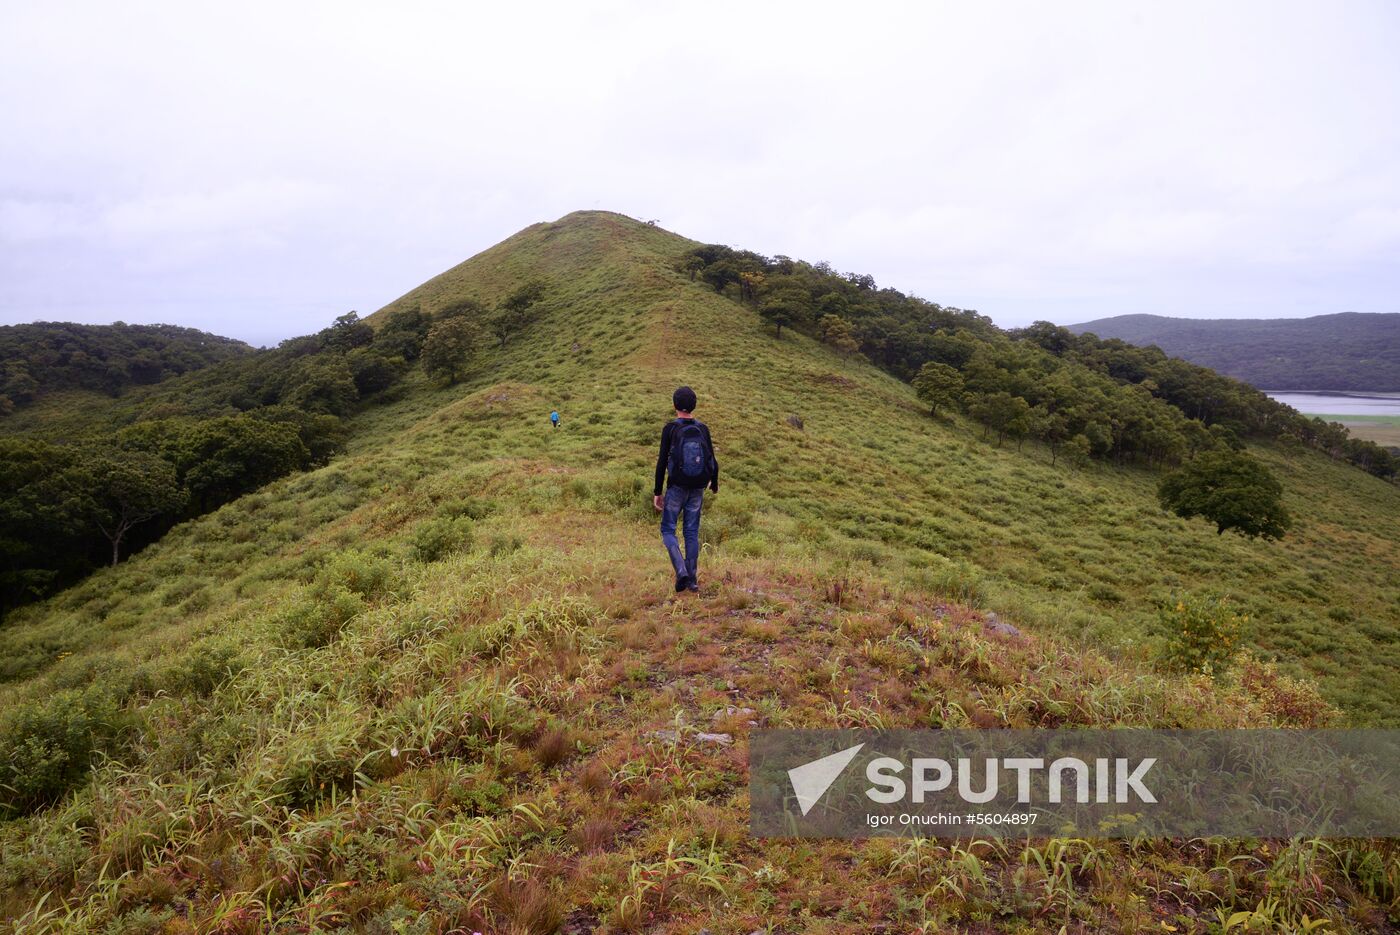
1359	394
1374	416
1338	402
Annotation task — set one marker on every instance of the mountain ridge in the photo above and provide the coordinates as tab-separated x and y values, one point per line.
1357	351
441	682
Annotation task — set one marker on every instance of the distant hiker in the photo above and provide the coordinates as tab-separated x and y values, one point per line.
687	463
554	418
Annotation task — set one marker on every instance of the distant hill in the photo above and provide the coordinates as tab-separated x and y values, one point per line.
1349	351
47	356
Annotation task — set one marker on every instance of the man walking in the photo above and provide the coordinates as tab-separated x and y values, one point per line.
687	464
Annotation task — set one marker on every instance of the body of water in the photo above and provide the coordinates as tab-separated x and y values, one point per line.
1339	404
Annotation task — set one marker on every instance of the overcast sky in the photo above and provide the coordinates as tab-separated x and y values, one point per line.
256	169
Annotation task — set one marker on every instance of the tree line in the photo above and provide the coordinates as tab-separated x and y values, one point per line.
193	444
1079	395
47	356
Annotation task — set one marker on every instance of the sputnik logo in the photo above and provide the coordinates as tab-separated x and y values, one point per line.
811	780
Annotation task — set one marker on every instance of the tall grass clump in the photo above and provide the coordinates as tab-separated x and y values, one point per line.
440	537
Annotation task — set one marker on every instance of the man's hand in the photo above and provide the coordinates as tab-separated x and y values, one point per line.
658	501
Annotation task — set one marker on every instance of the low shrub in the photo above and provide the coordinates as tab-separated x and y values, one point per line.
1289	701
1203	633
623	493
438	538
502	544
202	671
52	743
369	576
725	518
318	620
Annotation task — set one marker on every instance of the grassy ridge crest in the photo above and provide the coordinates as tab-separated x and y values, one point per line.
419	688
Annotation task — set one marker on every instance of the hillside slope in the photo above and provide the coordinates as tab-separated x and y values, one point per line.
421	688
1347	351
872	479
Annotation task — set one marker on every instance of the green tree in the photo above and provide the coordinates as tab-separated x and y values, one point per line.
45	356
1078	450
750	284
1227	436
721	273
1053	338
954	348
45	502
130	488
347	333
16	383
323	435
1052	428
403	333
938	385
450	345
787	305
1232	490
372	371
516	311
838	333
834	303
1003	413
320	383
462	308
221	459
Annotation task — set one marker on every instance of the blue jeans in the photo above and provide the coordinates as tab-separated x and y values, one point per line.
685	505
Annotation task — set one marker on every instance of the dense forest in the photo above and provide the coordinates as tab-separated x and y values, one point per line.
47	356
1087	396
68	505
1350	351
186	447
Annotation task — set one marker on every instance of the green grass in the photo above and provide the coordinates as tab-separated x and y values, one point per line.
1383	430
416	689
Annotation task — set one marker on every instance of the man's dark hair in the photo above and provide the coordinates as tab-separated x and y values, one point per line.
684	399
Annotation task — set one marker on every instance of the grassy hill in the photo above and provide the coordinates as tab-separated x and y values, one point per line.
1347	351
440	683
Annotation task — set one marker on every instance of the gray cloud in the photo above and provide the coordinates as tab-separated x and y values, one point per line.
257	170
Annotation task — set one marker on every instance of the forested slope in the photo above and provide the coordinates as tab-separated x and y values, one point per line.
1347	351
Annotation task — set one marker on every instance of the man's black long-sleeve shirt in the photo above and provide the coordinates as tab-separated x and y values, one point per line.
664	458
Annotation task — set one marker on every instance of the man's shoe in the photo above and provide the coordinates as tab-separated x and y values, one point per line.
682	583
693	585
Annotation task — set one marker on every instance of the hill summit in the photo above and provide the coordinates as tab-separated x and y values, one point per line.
440	683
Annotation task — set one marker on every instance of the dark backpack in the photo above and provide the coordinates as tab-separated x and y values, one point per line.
691	457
